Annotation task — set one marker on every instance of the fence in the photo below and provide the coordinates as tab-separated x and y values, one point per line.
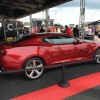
63	82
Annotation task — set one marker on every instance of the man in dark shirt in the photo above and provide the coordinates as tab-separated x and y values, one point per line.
41	30
76	31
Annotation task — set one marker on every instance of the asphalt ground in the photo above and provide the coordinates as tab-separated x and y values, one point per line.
13	85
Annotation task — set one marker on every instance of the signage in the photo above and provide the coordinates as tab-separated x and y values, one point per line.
10	29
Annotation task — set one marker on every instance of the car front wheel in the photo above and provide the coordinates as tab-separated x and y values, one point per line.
29	66
97	56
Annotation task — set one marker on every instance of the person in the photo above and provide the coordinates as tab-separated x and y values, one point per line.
93	29
68	31
49	29
76	31
97	34
41	30
26	30
58	30
53	29
88	30
2	37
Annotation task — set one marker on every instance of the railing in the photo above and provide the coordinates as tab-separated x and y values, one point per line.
63	82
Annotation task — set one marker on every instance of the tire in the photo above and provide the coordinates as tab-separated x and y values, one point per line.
33	63
97	56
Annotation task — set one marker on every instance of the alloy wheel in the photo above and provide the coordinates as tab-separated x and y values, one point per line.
31	72
97	56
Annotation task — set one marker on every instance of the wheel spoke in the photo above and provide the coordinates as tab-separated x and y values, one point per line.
99	51
38	73
31	74
34	62
97	56
98	60
41	65
28	67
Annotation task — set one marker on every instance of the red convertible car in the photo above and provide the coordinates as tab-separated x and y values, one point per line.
41	50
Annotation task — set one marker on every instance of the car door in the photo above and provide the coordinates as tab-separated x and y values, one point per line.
63	50
67	49
80	50
84	50
57	49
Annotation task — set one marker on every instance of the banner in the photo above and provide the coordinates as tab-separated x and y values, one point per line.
10	29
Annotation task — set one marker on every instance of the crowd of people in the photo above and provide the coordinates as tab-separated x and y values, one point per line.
44	29
93	31
90	30
23	31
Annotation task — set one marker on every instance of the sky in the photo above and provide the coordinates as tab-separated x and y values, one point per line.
68	13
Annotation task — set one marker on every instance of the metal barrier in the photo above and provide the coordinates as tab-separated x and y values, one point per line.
63	82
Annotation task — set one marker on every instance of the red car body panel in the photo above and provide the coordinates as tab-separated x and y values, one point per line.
15	57
17	54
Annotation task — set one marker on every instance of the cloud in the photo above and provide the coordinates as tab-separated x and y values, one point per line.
63	15
73	3
69	12
90	4
93	4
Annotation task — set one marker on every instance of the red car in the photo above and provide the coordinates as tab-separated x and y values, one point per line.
45	49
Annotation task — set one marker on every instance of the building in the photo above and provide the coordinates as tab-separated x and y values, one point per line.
38	22
71	25
94	23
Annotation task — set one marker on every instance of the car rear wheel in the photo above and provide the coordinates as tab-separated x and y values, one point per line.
97	56
33	63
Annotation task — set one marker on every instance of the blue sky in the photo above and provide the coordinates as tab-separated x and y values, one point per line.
68	13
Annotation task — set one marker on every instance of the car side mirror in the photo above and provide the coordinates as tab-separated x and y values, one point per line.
79	42
75	42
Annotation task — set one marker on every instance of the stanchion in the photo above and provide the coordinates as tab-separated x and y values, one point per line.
63	83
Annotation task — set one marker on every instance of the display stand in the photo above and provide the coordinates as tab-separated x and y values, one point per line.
63	83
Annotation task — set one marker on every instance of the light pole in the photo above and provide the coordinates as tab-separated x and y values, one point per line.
47	18
31	22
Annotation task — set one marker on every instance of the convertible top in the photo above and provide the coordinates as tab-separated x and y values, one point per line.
22	8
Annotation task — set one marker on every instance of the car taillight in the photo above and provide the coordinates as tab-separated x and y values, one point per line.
2	52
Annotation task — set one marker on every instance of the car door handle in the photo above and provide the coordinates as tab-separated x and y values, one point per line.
58	48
